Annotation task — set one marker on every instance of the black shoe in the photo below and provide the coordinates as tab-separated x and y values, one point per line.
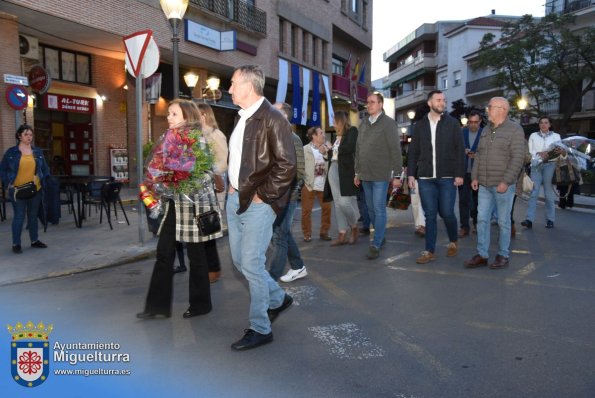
364	231
274	312
251	339
189	313
527	224
180	268
39	244
16	249
151	315
549	224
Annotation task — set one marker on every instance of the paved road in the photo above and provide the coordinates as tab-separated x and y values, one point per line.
386	328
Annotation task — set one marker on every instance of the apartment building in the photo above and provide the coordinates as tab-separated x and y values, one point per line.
82	102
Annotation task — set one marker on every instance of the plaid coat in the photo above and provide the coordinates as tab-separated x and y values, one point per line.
186	228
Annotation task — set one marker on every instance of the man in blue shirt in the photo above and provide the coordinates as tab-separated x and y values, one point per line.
467	196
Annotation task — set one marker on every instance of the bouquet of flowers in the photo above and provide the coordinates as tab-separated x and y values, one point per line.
177	164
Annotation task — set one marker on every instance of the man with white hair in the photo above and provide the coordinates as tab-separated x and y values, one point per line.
498	161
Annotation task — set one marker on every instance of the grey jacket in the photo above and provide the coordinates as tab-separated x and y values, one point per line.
500	154
378	150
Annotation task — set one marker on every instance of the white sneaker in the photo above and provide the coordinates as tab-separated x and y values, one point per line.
294	274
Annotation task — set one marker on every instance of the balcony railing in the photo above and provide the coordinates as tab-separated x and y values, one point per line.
245	15
576	5
479	85
342	85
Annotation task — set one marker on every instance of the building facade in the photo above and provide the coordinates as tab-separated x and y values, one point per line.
441	55
83	101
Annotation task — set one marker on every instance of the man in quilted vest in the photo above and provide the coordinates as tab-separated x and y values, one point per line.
498	161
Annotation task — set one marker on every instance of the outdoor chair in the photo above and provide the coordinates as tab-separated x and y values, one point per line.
110	195
67	198
92	196
3	200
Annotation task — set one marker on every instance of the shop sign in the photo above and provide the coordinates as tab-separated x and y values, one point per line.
200	34
17	97
68	103
15	79
39	79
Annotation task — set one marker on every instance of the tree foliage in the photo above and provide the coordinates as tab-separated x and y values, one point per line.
539	59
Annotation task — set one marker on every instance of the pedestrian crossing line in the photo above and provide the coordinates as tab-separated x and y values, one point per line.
520	274
541	284
423	357
392	259
465	274
521	251
528	332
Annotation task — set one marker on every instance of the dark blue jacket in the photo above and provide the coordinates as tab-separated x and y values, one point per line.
10	165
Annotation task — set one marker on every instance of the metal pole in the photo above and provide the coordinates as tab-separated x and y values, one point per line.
139	154
175	40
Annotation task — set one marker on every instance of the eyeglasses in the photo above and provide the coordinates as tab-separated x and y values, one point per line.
472	121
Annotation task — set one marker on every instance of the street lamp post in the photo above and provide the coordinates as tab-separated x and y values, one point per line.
174	11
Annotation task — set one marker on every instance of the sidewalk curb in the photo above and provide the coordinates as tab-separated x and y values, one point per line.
73	271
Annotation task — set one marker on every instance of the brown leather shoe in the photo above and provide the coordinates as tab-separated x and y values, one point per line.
340	241
501	262
354	235
420	231
463	232
476	262
452	250
325	237
425	257
214	276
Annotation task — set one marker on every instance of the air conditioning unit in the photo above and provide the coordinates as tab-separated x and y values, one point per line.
29	46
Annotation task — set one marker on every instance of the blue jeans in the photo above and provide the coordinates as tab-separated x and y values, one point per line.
363	209
20	207
438	196
375	193
488	199
542	175
249	237
284	246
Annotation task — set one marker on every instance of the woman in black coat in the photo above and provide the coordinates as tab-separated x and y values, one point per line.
340	179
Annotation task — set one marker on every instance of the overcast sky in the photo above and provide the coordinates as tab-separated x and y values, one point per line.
394	19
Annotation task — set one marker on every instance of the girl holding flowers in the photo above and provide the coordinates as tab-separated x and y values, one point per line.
179	174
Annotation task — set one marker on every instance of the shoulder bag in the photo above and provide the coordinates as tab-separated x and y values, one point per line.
25	191
565	173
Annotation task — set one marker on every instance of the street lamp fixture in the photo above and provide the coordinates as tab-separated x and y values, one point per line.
464	120
174	11
522	105
411	115
211	92
191	79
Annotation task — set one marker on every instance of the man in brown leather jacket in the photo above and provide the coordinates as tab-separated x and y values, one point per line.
262	166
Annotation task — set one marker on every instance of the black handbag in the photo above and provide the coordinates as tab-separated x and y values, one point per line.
565	173
25	191
208	223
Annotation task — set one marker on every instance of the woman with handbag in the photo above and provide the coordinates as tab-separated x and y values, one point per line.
24	171
218	142
180	222
340	180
